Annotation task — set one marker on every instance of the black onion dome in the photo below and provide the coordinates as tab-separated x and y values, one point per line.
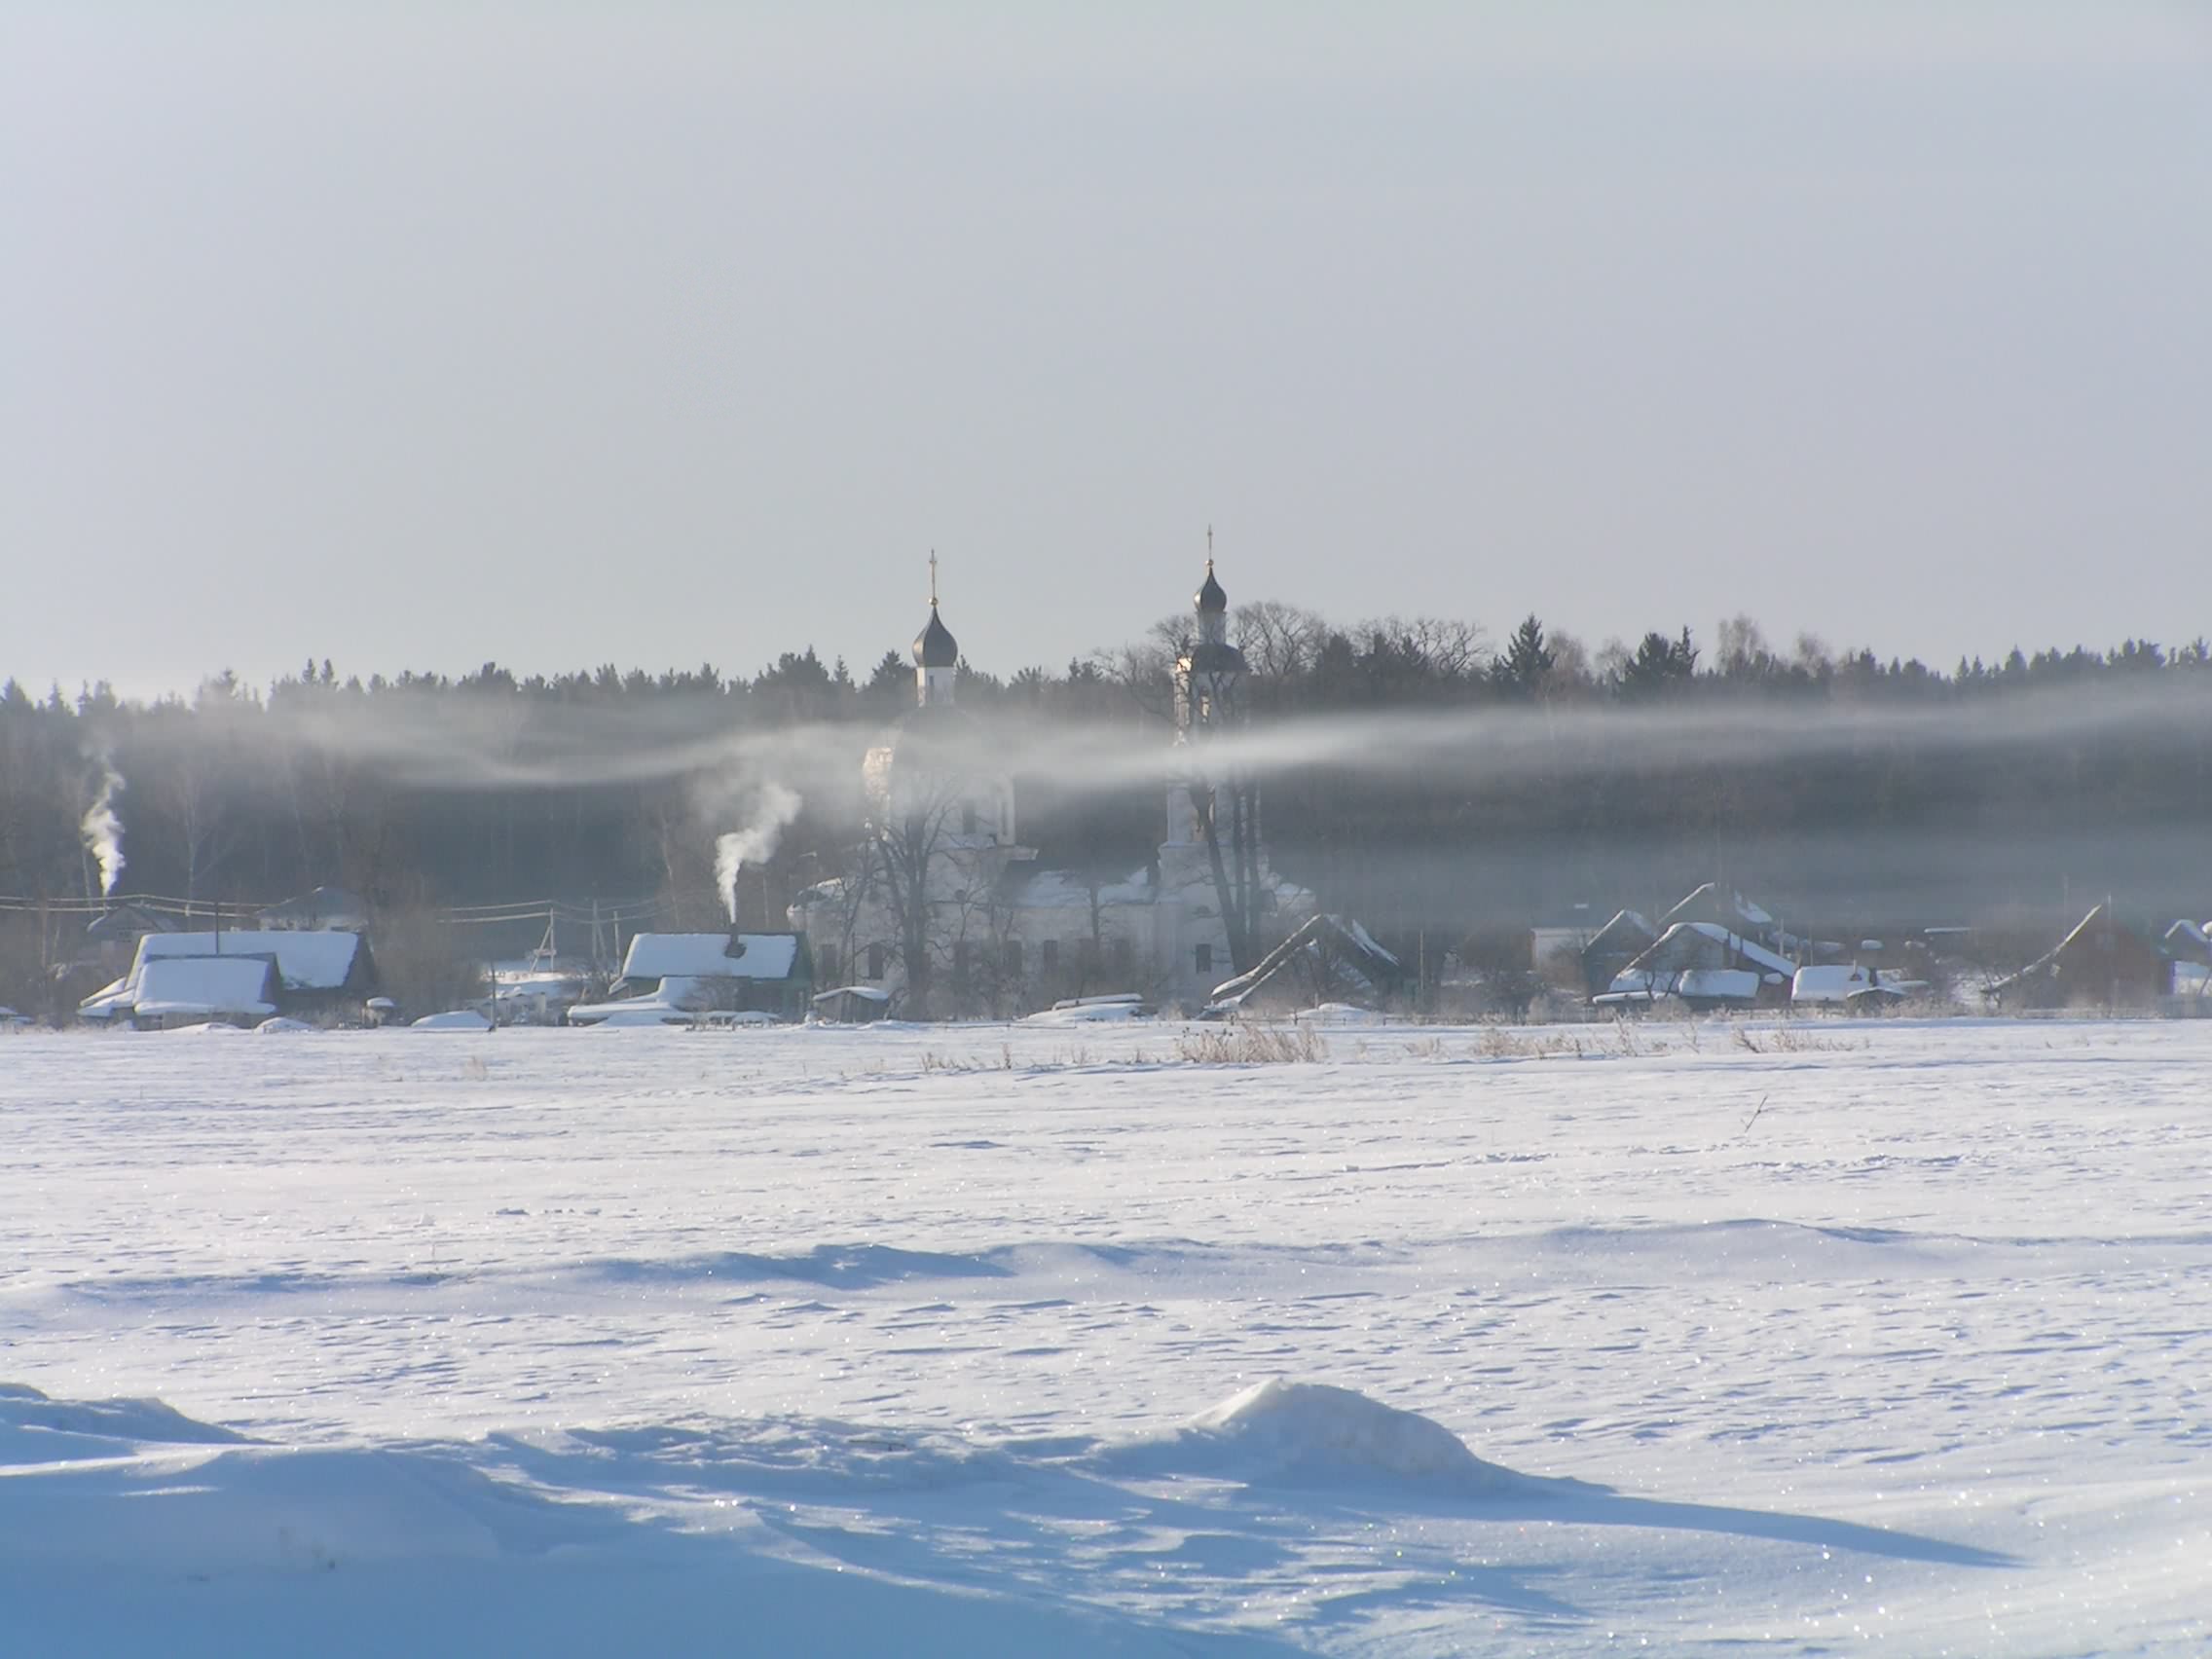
1210	599
934	645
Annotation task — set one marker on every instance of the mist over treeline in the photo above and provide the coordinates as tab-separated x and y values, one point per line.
1849	789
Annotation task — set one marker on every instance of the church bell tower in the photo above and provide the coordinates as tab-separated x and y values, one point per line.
1209	698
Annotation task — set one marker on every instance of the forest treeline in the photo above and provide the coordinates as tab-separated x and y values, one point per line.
238	794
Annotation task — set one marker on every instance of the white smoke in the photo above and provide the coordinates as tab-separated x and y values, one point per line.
755	843
102	830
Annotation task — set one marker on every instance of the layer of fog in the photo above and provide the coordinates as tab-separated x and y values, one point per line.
450	742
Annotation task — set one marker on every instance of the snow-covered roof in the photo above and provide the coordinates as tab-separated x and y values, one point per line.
1354	955
110	1000
2051	961
866	993
1829	982
1716	903
128	921
455	1019
1088	1014
1670	942
307	959
1624	927
1633	985
680	997
205	986
707	956
1729	983
1366	941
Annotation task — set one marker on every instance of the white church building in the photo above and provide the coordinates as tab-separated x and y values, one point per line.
943	911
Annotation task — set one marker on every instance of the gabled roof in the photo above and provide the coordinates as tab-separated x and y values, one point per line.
2079	934
308	959
209	985
129	921
1350	949
1685	936
709	956
2191	937
1711	902
680	997
1628	930
107	1002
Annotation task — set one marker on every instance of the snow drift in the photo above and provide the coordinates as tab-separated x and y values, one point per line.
1309	1435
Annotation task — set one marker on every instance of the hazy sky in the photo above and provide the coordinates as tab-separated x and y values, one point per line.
562	334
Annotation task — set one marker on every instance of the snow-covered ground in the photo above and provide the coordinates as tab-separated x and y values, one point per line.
1809	1338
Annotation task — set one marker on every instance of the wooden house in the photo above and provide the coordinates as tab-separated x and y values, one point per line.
2103	963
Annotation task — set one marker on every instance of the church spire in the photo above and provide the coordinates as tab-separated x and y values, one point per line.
937	653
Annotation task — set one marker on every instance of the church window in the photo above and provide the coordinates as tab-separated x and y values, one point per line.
1201	959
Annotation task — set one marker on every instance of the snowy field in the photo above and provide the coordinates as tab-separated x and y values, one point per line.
1818	1338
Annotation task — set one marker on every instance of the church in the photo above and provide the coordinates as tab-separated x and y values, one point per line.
942	911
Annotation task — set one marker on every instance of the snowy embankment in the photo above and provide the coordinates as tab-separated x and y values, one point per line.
982	1340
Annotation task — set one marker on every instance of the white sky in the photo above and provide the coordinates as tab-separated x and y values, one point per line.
560	333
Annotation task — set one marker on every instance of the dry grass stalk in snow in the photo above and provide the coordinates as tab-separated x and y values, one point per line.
1251	1045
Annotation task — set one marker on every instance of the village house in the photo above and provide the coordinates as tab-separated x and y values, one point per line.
1704	965
2188	941
677	978
1612	948
1326	960
114	934
2102	962
323	976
